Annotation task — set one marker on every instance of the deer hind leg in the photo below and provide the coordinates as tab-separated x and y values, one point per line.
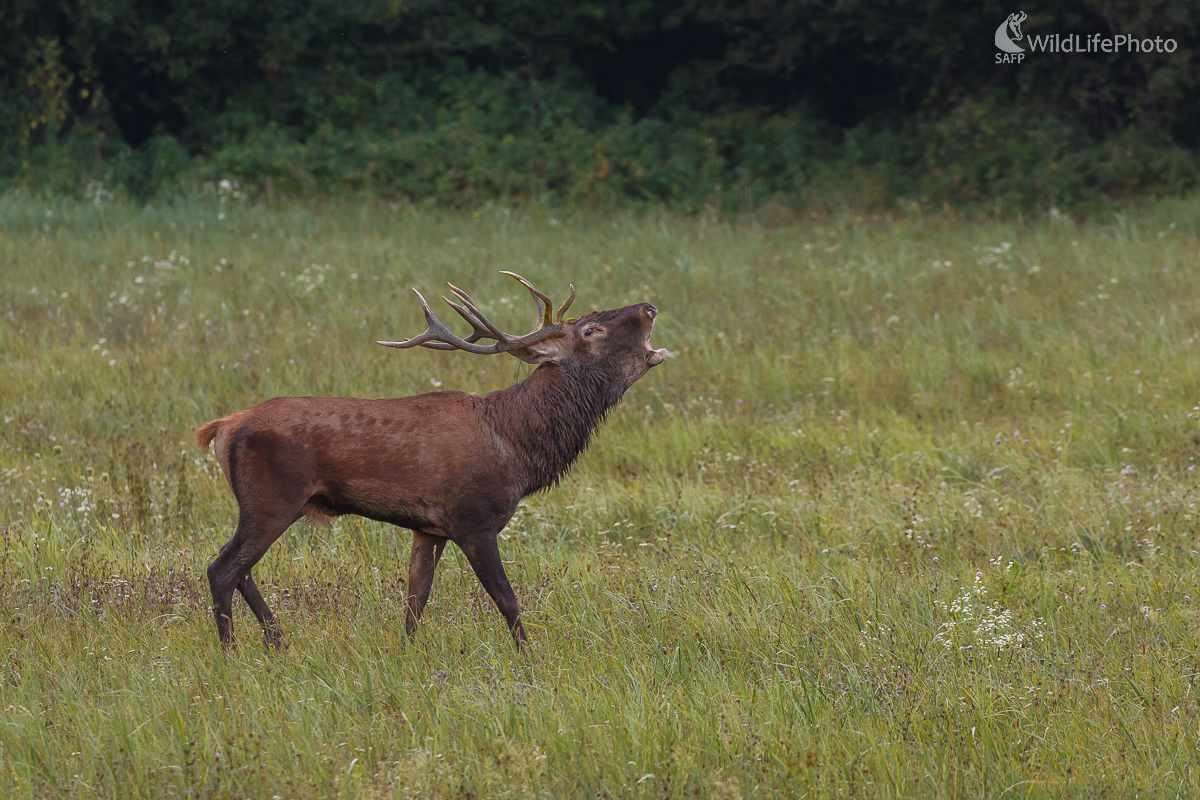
222	586
230	570
426	552
484	556
262	611
266	508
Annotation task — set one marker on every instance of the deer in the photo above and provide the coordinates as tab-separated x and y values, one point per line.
450	466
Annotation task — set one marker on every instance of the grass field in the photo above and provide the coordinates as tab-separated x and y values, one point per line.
911	512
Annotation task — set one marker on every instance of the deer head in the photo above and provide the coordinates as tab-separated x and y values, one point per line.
1014	22
618	340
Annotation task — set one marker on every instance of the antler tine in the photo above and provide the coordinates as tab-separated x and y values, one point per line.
495	332
562	310
543	302
481	331
544	330
420	338
438	337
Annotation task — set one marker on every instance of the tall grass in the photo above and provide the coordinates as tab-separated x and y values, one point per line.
911	512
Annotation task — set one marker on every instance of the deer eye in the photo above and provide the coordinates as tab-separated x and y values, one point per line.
592	330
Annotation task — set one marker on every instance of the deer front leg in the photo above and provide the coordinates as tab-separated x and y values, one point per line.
484	556
426	552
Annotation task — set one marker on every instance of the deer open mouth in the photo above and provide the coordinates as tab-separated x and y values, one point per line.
653	357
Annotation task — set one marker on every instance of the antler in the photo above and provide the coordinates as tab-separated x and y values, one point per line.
438	337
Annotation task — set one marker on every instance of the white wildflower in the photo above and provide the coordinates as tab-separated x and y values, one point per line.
976	624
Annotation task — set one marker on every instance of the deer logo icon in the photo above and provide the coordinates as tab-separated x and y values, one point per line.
1013	23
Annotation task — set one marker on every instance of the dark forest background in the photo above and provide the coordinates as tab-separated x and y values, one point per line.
862	102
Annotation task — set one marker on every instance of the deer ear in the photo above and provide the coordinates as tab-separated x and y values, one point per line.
547	351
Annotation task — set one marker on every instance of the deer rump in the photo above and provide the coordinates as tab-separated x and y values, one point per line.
449	466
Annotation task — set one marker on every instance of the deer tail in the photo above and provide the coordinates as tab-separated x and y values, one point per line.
207	433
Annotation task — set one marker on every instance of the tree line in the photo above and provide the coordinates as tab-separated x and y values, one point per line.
694	101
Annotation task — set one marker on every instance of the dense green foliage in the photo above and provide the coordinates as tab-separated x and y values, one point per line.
912	512
713	102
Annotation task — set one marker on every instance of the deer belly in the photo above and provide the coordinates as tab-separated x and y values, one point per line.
407	490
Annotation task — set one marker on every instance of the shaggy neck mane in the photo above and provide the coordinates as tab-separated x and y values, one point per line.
549	417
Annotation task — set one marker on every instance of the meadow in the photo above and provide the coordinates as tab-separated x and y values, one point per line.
910	512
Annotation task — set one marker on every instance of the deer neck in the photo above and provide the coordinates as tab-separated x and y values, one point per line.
549	418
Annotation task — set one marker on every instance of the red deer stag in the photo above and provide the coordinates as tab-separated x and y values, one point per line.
451	466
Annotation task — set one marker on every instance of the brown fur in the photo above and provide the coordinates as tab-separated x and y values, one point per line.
448	465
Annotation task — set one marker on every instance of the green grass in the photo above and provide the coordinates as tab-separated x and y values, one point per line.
912	512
